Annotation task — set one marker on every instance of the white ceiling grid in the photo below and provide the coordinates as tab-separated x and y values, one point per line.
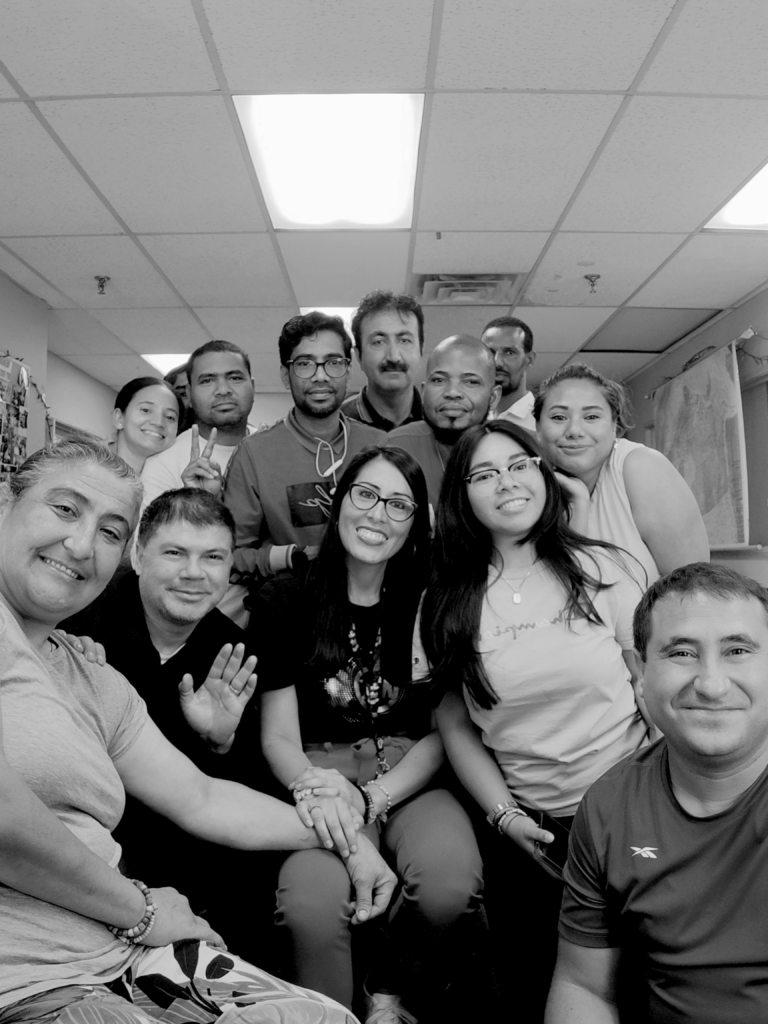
560	140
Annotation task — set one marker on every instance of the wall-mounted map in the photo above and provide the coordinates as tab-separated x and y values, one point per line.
699	426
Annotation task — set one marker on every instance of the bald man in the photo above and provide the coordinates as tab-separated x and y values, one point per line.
460	390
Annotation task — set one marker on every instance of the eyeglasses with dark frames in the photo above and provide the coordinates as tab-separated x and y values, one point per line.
305	367
398	509
487	477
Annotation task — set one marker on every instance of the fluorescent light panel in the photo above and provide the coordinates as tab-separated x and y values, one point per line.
345	312
334	161
748	209
165	362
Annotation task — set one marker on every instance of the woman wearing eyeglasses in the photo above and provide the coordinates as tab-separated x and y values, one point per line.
346	731
527	627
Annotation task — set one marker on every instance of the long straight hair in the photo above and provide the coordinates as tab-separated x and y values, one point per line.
463	551
403	577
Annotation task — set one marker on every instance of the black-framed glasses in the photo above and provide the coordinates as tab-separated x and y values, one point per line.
398	509
488	477
305	367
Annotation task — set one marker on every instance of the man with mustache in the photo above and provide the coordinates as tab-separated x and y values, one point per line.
460	390
667	873
161	628
511	342
281	481
388	330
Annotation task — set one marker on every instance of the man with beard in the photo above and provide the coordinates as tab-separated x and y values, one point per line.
161	628
221	395
281	480
460	390
388	331
511	342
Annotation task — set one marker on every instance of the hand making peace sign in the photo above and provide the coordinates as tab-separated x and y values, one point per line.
202	471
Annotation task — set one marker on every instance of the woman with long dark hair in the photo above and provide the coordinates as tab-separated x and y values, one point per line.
527	628
146	419
346	730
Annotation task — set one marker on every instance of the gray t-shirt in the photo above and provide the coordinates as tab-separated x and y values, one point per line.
64	722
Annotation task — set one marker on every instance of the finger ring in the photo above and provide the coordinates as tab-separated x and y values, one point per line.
314	807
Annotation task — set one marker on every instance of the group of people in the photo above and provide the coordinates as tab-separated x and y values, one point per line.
473	612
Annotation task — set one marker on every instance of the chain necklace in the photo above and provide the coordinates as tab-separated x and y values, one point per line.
516	596
373	686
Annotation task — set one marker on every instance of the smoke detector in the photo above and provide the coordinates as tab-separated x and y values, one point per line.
467	289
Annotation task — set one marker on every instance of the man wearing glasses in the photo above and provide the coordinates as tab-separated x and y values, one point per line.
280	481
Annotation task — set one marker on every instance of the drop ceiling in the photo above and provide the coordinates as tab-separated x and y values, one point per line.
560	139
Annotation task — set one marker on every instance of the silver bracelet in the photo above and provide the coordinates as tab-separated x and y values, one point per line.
506	815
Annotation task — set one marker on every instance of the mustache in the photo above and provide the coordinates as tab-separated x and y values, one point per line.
392	364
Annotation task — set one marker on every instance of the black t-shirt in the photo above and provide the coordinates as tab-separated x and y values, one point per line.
333	707
152	845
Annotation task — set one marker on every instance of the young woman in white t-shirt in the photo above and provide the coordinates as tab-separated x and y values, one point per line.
527	626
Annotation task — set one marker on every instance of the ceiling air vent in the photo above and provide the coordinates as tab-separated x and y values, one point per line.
467	289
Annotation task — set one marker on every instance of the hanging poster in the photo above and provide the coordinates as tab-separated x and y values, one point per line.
14	388
699	426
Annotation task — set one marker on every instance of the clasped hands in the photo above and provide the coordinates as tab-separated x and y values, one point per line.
334	807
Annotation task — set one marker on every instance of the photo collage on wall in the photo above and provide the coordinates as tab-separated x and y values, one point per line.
14	387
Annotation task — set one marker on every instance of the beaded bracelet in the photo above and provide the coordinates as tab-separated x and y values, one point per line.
370	807
505	815
133	936
382	814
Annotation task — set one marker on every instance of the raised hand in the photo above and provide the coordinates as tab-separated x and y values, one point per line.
201	471
215	709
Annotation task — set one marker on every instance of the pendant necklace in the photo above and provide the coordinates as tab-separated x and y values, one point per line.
516	597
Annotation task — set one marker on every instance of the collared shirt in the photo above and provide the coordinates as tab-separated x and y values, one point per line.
359	407
520	412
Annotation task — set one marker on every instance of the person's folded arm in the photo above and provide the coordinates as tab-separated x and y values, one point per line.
583	989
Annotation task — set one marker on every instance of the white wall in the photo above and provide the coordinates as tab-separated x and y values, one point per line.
78	399
24	333
269	408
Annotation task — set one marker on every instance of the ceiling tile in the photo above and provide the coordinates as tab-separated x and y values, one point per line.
545	365
614	365
42	192
336	268
29	281
476	252
113	370
80	47
74	332
222	270
72	263
623	262
322	45
560	329
442	321
670	163
166	164
507	163
255	330
713	270
6	89
154	330
714	48
552	44
647	330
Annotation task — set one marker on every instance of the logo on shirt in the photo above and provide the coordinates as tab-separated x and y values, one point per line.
309	504
644	851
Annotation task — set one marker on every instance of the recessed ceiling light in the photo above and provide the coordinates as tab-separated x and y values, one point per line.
345	312
748	209
167	361
334	161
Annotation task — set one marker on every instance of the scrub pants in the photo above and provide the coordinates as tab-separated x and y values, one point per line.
430	842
